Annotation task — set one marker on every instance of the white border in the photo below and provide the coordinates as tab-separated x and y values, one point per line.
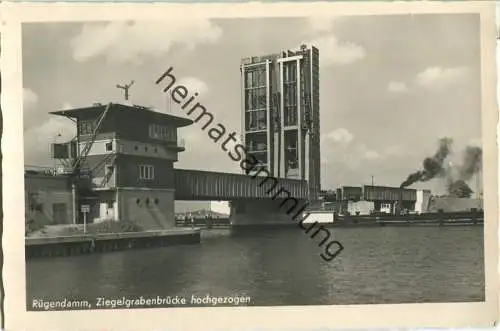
309	317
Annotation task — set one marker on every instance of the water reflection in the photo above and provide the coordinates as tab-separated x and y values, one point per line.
283	267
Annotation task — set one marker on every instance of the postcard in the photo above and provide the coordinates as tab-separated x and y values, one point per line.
253	165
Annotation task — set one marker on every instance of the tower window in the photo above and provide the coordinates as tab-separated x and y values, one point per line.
161	132
146	172
109	146
87	126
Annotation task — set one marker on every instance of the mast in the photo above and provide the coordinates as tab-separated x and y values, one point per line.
125	89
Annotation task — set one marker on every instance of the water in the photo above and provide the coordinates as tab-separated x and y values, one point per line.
378	265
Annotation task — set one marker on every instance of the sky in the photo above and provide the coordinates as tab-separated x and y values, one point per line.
390	86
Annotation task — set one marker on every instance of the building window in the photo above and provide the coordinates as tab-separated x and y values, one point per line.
146	172
109	146
256	98
249	100
290	115
261	119
261	101
248	78
290	95
255	77
86	126
290	72
161	132
251	121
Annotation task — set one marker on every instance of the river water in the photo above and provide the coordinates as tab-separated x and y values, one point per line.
281	267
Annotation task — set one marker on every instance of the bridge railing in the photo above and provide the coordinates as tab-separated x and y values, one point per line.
49	171
206	185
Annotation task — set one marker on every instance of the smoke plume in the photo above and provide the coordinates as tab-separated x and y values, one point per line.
456	176
459	189
471	165
432	166
473	162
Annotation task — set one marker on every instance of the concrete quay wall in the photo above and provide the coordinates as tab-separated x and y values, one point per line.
109	242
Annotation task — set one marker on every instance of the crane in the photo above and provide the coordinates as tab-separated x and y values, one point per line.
80	158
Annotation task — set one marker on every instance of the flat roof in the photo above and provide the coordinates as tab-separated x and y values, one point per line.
390	187
273	56
378	187
116	107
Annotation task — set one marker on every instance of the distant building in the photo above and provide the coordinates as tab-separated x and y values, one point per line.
280	120
185	207
367	199
48	198
422	203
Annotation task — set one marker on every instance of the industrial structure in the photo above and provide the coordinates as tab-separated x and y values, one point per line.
120	166
280	114
368	199
48	198
186	207
115	172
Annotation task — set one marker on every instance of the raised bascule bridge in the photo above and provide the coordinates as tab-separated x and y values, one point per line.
253	200
120	166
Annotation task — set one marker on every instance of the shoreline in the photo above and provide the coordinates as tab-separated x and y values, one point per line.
328	219
56	246
183	234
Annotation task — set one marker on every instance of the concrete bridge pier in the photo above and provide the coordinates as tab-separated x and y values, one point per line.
265	212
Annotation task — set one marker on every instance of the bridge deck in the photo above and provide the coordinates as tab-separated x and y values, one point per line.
207	185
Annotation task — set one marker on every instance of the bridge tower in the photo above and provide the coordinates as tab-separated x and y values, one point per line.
128	153
280	120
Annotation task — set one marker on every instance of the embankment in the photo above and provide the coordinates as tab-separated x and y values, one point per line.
329	219
53	246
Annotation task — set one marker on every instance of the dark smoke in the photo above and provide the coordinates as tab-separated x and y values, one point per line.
432	166
459	189
457	176
473	162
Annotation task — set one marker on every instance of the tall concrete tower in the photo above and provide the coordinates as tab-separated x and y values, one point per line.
280	120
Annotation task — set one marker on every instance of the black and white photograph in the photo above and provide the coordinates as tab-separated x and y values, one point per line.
234	161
